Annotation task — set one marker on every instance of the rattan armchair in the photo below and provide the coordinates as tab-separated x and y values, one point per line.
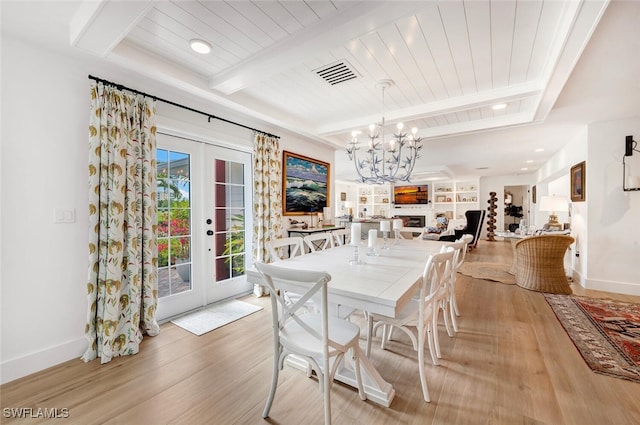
540	263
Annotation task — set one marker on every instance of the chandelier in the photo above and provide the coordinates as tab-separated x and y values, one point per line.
385	161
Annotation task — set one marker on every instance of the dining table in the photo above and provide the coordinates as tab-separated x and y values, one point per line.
379	281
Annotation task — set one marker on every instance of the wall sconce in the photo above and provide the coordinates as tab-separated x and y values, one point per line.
629	181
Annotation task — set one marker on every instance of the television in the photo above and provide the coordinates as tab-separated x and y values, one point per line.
411	195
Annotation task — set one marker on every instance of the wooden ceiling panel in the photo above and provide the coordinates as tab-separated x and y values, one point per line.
502	27
440	50
525	32
454	20
478	16
212	27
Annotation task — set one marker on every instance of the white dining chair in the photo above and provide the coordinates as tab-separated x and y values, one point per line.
466	239
419	319
342	237
319	241
317	338
458	248
279	247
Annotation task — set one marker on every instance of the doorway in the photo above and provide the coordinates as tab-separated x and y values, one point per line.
516	206
204	220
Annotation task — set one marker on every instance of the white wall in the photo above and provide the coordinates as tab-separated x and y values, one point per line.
606	224
614	233
45	107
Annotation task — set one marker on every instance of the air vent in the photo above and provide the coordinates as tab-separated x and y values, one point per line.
337	72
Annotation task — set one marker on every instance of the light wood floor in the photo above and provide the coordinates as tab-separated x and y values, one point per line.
511	363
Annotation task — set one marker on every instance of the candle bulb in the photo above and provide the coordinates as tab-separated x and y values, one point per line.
355	233
373	236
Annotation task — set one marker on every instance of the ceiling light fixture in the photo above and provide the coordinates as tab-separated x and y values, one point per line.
200	46
383	161
499	106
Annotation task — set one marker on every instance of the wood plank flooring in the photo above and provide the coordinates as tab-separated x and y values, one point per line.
510	363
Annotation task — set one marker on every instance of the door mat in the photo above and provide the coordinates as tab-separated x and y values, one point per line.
218	315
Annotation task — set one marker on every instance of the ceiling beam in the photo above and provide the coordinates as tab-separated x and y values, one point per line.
99	25
458	104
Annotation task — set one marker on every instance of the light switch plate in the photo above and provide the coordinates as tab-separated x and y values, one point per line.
64	215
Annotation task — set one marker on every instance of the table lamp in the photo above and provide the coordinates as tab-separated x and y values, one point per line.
553	204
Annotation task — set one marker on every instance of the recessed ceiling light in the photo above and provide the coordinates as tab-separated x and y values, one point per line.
200	46
499	106
524	168
529	161
539	150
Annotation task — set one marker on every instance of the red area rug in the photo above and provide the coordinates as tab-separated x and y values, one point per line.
606	332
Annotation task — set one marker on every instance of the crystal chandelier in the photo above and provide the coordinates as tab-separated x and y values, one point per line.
385	161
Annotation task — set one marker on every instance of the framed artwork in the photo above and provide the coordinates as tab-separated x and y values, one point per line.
533	194
578	174
305	184
343	196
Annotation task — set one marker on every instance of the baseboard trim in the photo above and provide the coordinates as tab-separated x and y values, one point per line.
624	288
20	367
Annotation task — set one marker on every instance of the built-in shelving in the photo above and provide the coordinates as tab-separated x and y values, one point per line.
454	198
374	201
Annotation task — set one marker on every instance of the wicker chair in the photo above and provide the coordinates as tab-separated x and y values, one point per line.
540	263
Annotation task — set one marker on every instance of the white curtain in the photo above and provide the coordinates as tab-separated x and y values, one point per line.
267	194
122	288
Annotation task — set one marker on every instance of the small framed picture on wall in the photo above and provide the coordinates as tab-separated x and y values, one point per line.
578	174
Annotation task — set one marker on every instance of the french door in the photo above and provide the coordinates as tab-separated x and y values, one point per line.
204	223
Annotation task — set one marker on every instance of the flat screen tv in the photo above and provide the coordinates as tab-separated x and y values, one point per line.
411	195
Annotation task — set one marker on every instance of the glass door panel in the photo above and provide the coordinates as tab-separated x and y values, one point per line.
174	222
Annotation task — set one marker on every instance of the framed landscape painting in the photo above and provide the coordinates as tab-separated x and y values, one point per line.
306	184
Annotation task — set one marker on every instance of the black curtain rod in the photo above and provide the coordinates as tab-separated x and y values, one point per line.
209	116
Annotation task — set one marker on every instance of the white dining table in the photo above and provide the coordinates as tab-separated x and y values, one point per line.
383	284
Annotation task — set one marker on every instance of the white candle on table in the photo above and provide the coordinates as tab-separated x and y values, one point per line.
355	233
633	182
397	224
385	226
373	235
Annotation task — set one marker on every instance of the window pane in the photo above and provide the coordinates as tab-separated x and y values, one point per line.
229	172
229	196
235	220
180	221
180	249
223	271
178	165
163	223
237	265
163	252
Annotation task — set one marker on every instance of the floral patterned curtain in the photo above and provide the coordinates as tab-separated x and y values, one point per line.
267	194
123	281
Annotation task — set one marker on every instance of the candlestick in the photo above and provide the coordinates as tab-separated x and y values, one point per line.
373	236
355	233
397	226
385	227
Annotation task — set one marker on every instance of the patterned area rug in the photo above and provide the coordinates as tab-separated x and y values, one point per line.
496	272
606	332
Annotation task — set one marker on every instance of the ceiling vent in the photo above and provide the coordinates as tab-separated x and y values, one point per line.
337	72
